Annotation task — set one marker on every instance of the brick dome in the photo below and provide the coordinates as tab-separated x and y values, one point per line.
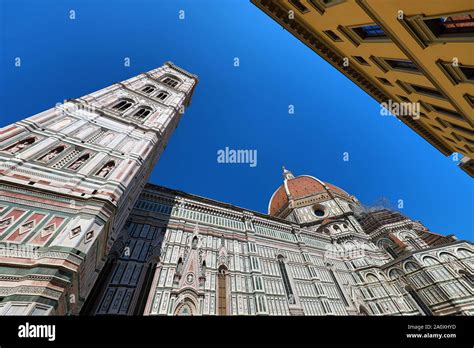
299	187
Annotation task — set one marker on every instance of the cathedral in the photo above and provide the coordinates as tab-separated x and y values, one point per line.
83	233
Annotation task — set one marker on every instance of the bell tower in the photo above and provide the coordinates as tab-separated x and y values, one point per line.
69	176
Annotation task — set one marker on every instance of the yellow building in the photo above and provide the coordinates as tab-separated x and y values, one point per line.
401	52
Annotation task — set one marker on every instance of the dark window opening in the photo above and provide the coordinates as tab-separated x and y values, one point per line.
122	105
468	72
384	81
402	64
446	111
142	113
427	90
162	95
170	81
457	25
286	280
332	35
148	89
361	60
403	98
373	31
299	5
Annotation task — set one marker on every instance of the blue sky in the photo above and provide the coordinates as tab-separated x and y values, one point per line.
243	107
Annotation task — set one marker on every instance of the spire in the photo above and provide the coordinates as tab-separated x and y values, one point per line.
287	174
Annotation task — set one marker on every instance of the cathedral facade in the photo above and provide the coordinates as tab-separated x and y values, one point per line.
83	233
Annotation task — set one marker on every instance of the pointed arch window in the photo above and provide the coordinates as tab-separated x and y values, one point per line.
222	279
162	95
148	89
412	243
142	113
122	105
286	280
170	81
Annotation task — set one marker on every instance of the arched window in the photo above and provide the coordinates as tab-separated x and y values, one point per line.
286	280
122	105
52	154
430	261
148	89
463	253
142	113
410	267
162	95
79	162
170	81
412	243
388	246
222	275
20	145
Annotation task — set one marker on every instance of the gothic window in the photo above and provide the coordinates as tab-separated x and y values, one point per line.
286	280
148	89
162	95
464	253
49	156
106	169
412	243
222	275
122	105
142	113
20	145
79	162
170	81
388	246
410	267
430	261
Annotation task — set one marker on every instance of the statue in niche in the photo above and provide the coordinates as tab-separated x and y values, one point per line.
106	169
194	243
79	162
52	154
20	145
